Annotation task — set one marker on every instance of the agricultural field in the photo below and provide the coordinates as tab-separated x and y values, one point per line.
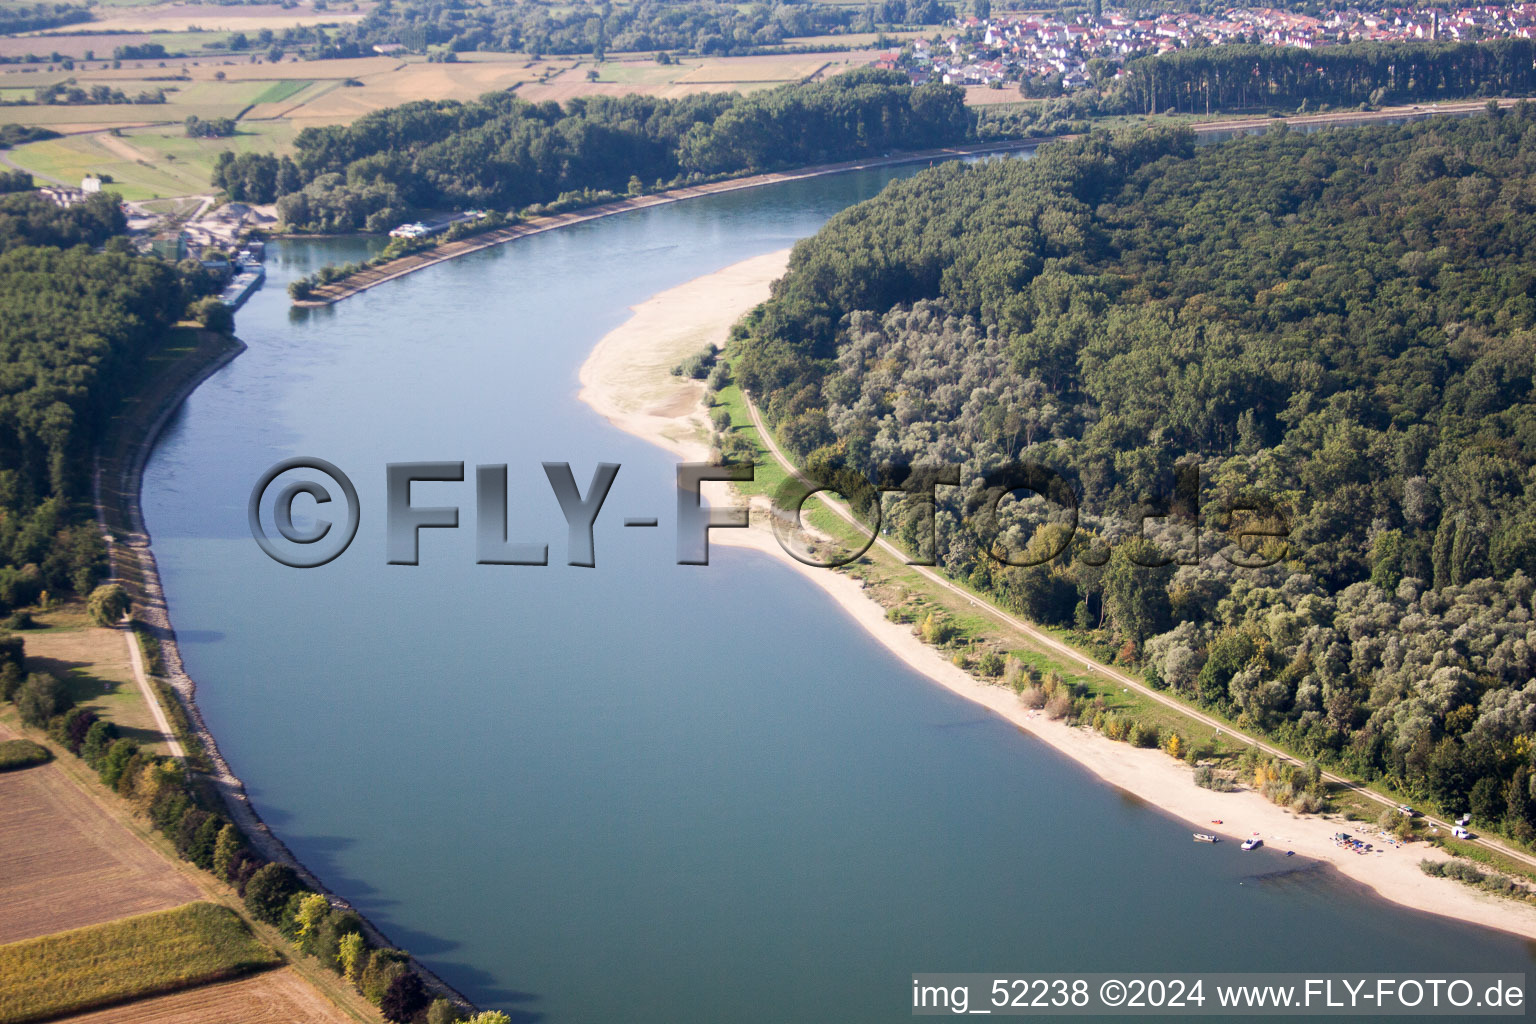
144	148
248	18
708	74
69	864
272	997
148	162
93	663
110	963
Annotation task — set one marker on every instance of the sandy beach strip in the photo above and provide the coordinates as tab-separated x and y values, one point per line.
627	378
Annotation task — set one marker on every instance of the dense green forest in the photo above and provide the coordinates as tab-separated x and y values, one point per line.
72	323
1243	77
706	28
507	153
1336	328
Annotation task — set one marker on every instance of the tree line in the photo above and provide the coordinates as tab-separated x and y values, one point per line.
504	152
1336	328
710	28
74	323
18	18
1236	77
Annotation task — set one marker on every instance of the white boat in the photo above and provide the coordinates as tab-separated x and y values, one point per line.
1205	837
1253	843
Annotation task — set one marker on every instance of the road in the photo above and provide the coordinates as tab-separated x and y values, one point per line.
1072	654
150	697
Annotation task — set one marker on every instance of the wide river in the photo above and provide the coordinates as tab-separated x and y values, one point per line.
644	792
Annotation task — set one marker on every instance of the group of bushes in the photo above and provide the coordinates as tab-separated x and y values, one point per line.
1297	786
1471	874
698	366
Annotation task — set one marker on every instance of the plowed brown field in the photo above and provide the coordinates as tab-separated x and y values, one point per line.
68	864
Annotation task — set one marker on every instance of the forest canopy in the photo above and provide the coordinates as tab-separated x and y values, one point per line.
1342	323
505	152
73	322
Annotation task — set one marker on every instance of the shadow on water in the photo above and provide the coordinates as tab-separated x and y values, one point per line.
321	855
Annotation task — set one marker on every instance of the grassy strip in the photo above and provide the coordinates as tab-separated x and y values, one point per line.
127	959
21	754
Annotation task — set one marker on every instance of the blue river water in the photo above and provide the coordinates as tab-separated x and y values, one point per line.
646	792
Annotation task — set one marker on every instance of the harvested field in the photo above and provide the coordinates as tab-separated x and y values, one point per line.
68	864
217	17
789	67
412	82
275	997
986	96
243	70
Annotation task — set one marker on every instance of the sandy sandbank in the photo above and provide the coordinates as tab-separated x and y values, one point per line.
628	379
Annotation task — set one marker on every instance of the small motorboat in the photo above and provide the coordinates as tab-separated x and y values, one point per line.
1252	843
1206	837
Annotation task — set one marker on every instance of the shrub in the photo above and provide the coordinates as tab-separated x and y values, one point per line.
720	419
115	765
213	314
384	966
719	377
247	863
990	664
107	604
1208	778
225	849
70	728
288	919
40	698
404	998
21	754
936	630
205	841
97	742
312	911
329	938
442	1011
12	653
11	678
698	366
266	894
1058	707
350	954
